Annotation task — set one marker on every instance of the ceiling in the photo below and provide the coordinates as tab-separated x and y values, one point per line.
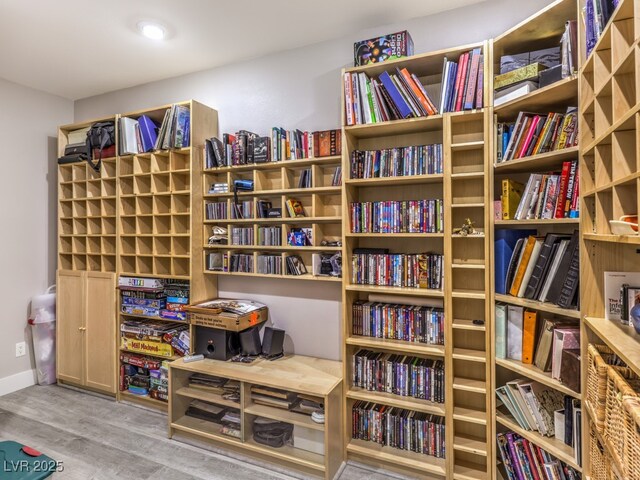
80	48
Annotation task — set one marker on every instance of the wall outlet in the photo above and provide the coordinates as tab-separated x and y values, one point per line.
21	349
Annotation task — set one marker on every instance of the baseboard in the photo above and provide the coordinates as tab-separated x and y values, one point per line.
16	382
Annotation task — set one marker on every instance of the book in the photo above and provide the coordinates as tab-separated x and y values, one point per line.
529	330
511	196
513	262
530	266
504	245
523	73
513	92
567	270
553	269
563	339
149	132
542	264
294	208
514	332
527	250
501	330
613	292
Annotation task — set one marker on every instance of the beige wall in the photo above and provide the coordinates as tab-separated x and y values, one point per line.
29	122
300	88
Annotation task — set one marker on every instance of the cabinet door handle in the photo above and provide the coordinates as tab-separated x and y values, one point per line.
82	329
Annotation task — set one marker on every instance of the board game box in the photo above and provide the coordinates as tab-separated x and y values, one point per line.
380	49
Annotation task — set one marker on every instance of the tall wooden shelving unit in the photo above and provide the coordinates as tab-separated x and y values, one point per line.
610	176
139	217
277	182
466	292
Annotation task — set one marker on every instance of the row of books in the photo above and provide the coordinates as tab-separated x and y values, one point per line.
545	196
304	181
137	135
412	270
551	345
410	323
533	134
175	130
242	236
407	216
545	269
270	236
463	82
390	97
245	147
398	428
596	15
216	211
523	460
242	210
397	162
398	374
336	180
270	264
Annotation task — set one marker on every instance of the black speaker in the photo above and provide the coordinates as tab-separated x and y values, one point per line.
273	342
250	341
217	344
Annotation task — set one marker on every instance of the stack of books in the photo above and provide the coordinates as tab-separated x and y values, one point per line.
295	265
242	210
408	216
241	263
399	375
216	211
175	129
409	323
305	178
242	236
463	83
270	236
270	264
546	196
533	134
397	428
397	162
522	459
545	269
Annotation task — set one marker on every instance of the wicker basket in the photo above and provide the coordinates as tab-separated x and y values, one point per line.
598	457
614	422
598	356
632	438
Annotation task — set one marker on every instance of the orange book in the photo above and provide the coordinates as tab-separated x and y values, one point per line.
522	265
529	328
416	91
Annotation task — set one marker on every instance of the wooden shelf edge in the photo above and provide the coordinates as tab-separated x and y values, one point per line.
535	305
620	338
532	372
397	457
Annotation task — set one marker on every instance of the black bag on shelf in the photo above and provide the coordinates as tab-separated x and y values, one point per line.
73	153
272	432
100	136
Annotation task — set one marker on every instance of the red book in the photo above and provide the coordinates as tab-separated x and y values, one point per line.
533	464
530	133
473	80
562	194
464	61
570	188
416	91
480	88
573	213
348	99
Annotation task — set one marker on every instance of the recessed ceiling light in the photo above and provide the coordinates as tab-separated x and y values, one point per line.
154	31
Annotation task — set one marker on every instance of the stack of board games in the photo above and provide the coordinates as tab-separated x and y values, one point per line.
144	376
153	297
158	339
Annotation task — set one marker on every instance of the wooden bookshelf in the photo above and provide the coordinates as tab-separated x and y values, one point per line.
276	182
542	30
303	375
465	295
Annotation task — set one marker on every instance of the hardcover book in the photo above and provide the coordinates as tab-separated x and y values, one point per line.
525	73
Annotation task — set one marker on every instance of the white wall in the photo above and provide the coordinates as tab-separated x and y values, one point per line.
300	88
29	122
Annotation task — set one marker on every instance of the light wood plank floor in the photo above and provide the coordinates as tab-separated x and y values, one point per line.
99	439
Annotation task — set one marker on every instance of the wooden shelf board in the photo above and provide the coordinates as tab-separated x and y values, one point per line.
283	415
552	445
144	400
280	248
307	276
333	219
467	145
553	221
601	237
471	294
534	373
205	396
626	122
561	93
535	305
465	443
467	175
202	428
408	403
423	463
289	454
623	340
297	373
542	162
470	237
469	385
470	355
468	266
396	127
467	205
470	416
275	165
151	275
394	235
278	192
469	471
461	324
396	345
403	180
419	292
